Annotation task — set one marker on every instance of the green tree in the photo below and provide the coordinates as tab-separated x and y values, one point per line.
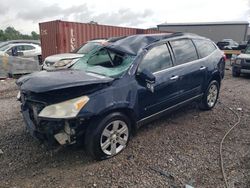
2	35
11	33
27	37
35	36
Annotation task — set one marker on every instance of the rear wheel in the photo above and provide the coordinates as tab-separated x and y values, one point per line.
109	137
210	97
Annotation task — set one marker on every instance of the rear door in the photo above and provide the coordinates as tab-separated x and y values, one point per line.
29	51
190	70
209	57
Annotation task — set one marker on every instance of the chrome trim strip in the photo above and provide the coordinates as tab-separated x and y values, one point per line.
176	66
169	108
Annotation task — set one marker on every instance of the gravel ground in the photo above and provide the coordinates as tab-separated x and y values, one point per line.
182	148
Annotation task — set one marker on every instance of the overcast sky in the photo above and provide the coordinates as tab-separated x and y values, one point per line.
25	15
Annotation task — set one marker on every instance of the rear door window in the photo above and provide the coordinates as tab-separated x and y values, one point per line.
204	47
28	47
20	48
158	58
184	51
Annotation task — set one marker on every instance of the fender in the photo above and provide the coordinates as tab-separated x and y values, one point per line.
215	75
121	106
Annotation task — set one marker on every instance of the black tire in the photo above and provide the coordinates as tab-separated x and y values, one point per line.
235	72
94	134
205	104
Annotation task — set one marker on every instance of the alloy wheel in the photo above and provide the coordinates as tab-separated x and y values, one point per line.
212	95
114	137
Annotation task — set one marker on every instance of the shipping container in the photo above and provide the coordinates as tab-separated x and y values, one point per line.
153	31
61	36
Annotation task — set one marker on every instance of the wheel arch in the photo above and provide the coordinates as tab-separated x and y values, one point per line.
215	76
124	110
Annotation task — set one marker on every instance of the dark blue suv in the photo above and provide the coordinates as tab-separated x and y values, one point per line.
103	98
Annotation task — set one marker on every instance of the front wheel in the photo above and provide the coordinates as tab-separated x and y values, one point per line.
211	95
109	137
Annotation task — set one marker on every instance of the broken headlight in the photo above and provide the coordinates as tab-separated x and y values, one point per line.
62	63
66	109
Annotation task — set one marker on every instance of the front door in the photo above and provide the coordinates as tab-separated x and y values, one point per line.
164	92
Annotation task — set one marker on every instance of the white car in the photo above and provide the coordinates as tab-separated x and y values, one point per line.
21	49
67	59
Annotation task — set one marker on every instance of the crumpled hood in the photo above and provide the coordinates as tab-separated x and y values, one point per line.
58	57
44	81
244	56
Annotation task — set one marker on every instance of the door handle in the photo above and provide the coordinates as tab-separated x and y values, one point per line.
174	77
203	68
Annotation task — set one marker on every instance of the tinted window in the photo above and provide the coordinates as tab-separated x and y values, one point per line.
204	47
20	48
158	58
28	47
25	47
184	51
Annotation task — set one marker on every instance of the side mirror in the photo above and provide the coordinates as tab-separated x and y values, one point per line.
146	76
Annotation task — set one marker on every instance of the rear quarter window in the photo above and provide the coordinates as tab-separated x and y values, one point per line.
204	47
184	51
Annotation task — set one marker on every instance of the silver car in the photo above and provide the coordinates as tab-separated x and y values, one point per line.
21	49
65	60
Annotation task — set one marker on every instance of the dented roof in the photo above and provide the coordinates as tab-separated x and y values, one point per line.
133	44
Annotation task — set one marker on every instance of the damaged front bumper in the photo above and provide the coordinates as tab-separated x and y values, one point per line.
53	132
50	131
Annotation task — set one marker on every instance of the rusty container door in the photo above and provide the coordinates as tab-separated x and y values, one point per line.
48	37
72	35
